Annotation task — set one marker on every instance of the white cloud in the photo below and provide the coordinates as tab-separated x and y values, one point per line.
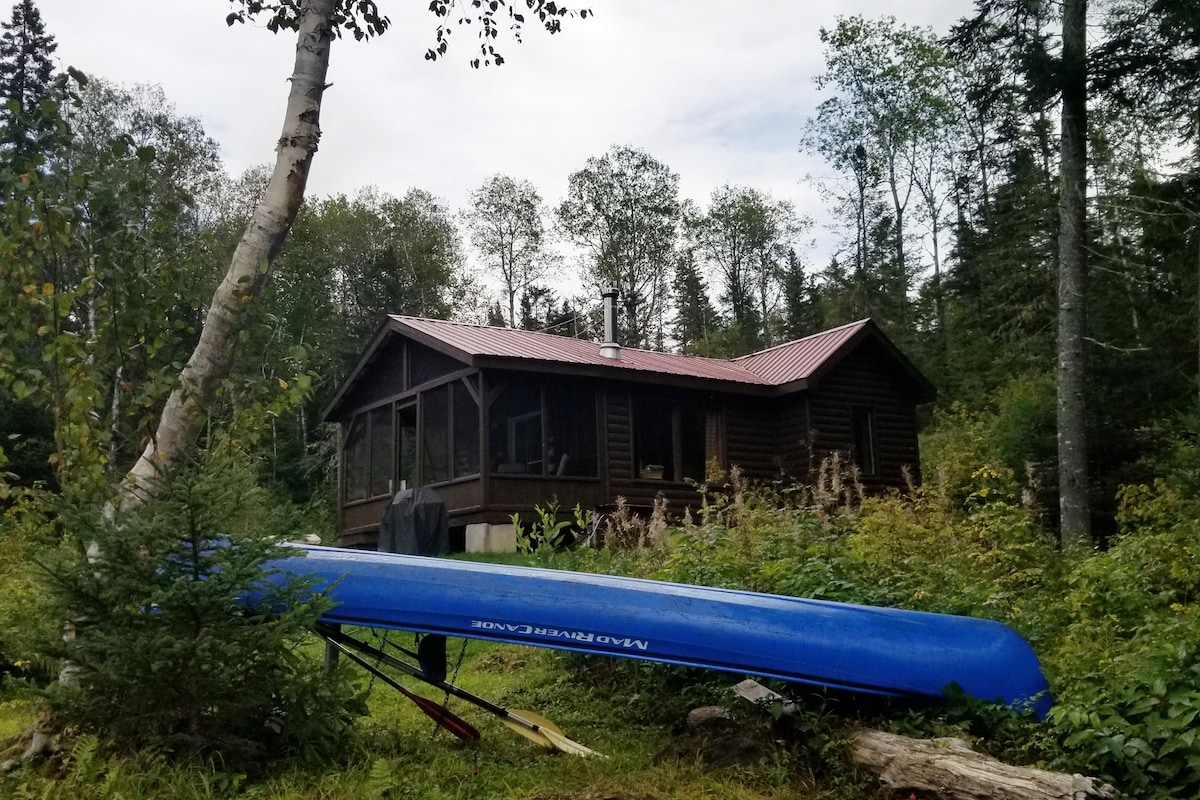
718	91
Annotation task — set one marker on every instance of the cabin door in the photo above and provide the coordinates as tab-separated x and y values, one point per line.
406	445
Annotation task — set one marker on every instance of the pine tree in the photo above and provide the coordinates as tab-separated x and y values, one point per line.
26	72
801	312
695	317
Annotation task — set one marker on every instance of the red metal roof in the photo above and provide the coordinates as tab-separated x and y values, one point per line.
483	341
785	363
800	359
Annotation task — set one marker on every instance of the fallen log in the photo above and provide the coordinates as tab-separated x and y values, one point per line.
41	745
946	767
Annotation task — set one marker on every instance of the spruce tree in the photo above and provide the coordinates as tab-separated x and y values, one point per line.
695	316
26	72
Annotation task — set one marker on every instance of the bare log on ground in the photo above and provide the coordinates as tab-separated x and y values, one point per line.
41	745
946	767
950	768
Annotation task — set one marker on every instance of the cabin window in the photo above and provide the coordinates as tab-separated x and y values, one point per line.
669	439
862	445
536	430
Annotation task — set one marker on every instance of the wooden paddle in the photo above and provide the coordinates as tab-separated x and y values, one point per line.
531	726
435	711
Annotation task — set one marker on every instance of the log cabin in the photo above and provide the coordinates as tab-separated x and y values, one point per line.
498	420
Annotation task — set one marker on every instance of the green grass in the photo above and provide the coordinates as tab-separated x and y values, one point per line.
16	714
617	708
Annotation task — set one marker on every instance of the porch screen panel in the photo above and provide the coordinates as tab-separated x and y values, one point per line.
570	431
356	459
515	429
381	451
426	364
435	435
466	432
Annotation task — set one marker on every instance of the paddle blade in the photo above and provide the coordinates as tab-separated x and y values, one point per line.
547	733
443	716
532	734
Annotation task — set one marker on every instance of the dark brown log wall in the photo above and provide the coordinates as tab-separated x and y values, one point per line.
865	378
751	438
519	494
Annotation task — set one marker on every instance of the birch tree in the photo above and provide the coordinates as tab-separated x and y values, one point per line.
316	24
885	76
745	236
507	226
623	210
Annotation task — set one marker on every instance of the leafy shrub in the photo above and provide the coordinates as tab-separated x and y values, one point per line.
548	533
1117	631
1014	433
25	616
1127	665
171	652
985	558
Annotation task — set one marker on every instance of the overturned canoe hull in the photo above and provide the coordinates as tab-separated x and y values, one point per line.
838	645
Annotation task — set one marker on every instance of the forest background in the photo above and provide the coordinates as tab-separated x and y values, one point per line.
947	195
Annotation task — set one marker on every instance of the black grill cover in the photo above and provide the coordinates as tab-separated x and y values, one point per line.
415	523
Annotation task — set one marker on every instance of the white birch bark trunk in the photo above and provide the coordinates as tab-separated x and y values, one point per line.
250	267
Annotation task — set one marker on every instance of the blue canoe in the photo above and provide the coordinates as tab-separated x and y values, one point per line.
838	645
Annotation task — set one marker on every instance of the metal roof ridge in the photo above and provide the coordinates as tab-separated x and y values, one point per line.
793	342
521	331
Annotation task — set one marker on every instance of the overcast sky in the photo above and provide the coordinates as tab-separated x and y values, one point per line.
719	91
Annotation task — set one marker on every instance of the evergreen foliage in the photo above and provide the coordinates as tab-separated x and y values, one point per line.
26	72
185	639
695	317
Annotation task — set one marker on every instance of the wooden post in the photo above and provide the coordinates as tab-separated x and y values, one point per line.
331	653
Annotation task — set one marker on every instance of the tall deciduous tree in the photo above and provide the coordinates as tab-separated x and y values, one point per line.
1072	283
886	77
745	235
316	23
26	70
506	222
623	210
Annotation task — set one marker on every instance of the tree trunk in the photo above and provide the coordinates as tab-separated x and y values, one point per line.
250	267
1075	530
945	767
950	768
